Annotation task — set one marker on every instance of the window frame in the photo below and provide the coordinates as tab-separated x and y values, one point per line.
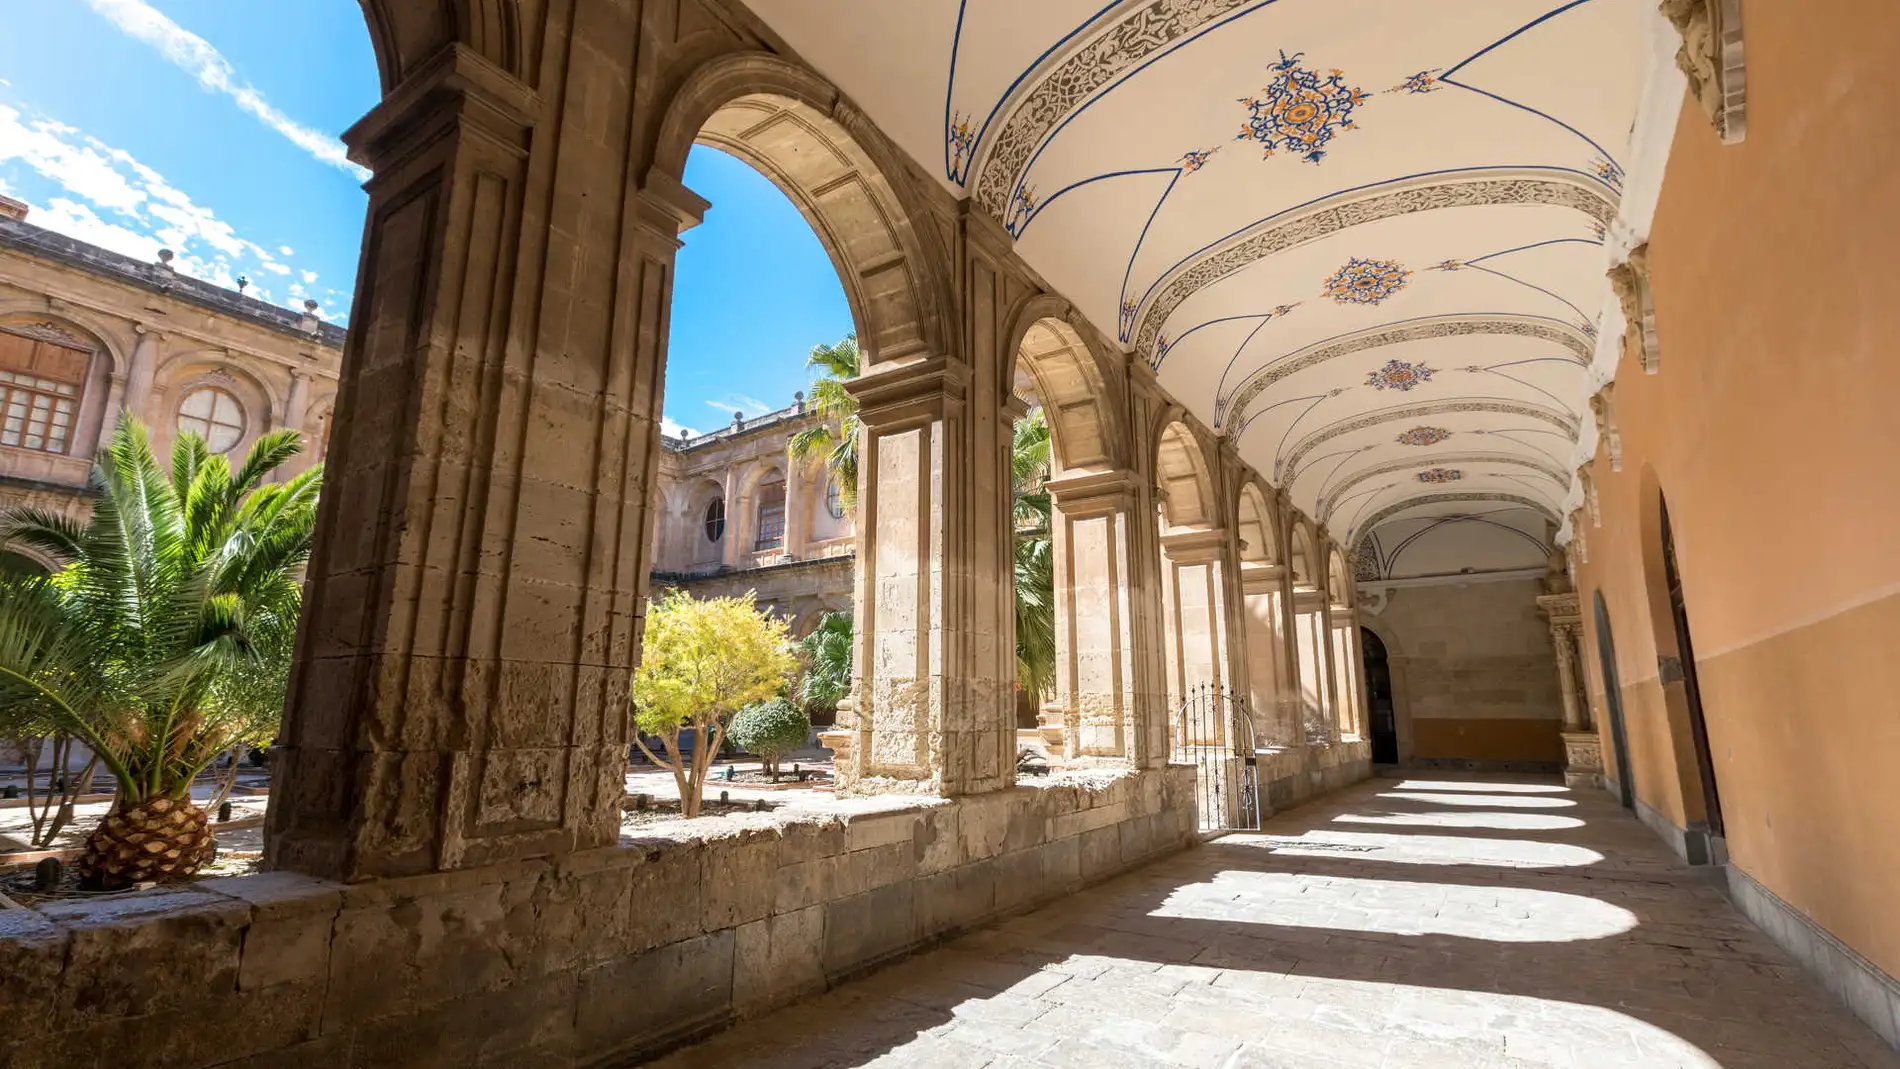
714	527
179	416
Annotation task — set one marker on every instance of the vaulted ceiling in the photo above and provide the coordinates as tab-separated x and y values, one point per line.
1361	238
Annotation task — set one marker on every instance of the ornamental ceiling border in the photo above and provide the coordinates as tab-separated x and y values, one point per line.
1389	415
1423	329
1127	44
1392	510
1329	504
1355	208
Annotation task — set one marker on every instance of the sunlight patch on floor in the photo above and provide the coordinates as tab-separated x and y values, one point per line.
1420	849
1456	819
1485	801
1489	912
1481	786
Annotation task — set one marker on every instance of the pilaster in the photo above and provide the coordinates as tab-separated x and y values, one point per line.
477	587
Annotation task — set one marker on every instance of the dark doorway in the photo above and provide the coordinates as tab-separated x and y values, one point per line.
1613	701
1692	692
1384	721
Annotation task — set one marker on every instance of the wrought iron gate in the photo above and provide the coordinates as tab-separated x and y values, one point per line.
1213	732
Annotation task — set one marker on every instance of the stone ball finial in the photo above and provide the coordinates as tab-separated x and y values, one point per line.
738	419
310	306
244	283
165	257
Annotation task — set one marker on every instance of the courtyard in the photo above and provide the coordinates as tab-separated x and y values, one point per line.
1433	921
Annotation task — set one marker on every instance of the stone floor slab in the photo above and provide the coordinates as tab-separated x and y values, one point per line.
1469	922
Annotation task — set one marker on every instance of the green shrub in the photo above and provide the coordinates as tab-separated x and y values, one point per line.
771	729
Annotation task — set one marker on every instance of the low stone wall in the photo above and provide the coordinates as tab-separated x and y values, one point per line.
593	959
1296	774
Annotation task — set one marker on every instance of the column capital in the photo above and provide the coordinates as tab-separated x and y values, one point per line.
455	86
1083	491
1560	608
913	391
1194	545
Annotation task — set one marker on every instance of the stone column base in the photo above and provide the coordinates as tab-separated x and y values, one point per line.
844	768
1583	759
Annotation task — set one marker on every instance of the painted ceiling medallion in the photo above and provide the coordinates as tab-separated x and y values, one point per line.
1299	111
1423	435
1366	281
1440	475
1399	375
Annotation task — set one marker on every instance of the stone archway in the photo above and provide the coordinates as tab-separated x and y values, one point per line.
850	184
1265	595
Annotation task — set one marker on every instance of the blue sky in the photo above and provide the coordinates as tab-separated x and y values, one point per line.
209	127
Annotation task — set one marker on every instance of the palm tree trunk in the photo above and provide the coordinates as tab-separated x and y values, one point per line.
229	779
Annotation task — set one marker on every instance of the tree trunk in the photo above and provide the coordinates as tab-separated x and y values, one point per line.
229	780
76	787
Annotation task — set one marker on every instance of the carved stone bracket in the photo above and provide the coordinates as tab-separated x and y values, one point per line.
1603	407
1711	56
1630	280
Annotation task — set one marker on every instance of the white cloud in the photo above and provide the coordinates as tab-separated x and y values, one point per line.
285	249
738	402
115	201
194	55
309	277
675	430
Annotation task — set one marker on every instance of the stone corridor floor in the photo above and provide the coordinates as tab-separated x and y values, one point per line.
1453	921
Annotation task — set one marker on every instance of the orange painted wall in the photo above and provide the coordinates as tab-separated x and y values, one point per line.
1773	428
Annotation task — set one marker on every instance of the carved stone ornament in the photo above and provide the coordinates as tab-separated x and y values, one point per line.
1591	504
1603	407
1711	57
44	330
1630	280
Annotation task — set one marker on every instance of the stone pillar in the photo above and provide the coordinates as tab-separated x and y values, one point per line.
731	542
935	701
1315	670
1094	711
1583	751
1264	597
134	387
797	526
1194	566
477	588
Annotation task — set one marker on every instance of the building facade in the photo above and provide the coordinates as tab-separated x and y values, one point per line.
86	333
735	515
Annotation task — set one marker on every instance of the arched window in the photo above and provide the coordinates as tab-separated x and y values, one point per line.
214	415
834	498
40	381
715	519
771	515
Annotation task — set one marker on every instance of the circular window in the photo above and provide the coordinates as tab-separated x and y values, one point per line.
214	415
715	519
834	499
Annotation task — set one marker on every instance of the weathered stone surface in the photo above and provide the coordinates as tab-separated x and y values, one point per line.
600	955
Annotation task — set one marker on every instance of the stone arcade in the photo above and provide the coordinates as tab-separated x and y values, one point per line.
1433	316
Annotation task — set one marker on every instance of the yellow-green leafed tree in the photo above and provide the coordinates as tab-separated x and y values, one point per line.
702	661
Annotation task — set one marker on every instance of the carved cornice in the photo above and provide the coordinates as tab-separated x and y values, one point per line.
1603	407
1348	210
46	330
1098	61
1712	58
1630	280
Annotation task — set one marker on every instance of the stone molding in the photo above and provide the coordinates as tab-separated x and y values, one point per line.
1603	409
1712	58
1394	509
1866	989
1289	469
1330	503
1496	187
1630	282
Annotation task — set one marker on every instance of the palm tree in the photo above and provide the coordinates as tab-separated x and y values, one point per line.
838	445
162	634
827	652
1035	556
